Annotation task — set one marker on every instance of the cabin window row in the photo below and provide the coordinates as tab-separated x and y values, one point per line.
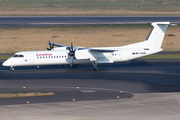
41	57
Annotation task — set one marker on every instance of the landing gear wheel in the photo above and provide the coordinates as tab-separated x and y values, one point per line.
11	69
74	65
96	68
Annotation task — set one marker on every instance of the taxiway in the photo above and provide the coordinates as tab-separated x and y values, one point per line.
39	21
151	91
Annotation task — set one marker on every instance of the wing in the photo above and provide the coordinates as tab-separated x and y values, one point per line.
58	45
97	50
68	47
82	48
99	54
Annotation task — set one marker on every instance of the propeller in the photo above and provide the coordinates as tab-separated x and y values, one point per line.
51	46
71	51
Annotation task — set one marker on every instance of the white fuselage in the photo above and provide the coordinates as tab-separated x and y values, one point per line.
60	56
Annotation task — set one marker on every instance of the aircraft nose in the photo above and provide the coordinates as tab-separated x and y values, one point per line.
6	63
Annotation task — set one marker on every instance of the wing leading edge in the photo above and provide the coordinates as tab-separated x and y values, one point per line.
83	48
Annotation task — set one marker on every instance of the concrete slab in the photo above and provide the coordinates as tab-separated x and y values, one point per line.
149	106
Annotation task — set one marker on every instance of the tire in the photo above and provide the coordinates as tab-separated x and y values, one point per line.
74	65
96	68
11	69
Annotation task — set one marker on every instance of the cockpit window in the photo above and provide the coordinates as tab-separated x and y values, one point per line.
15	55
18	55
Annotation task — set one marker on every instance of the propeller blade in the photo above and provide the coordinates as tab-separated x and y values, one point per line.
74	57
71	46
71	51
68	48
52	46
74	50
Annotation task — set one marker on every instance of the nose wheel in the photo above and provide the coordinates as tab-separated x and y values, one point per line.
11	68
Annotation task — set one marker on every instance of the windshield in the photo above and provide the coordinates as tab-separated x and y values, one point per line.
16	55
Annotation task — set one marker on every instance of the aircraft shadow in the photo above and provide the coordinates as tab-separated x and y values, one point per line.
126	64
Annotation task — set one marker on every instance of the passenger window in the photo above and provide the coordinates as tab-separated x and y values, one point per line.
65	56
59	56
37	57
40	57
51	56
54	56
62	56
43	57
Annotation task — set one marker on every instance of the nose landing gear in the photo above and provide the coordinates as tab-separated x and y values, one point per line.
11	68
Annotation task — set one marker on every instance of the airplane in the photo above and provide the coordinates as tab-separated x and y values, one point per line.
63	54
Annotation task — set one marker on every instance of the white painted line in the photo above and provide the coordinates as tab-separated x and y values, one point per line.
88	91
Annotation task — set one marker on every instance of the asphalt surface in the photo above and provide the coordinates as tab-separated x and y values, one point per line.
11	22
137	76
150	87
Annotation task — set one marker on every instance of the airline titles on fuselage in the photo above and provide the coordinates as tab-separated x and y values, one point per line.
46	54
49	55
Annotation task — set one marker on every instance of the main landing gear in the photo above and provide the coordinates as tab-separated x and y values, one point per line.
11	68
74	65
96	68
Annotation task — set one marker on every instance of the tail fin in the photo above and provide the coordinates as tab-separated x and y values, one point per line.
156	35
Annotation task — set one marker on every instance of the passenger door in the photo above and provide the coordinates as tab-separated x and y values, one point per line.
31	58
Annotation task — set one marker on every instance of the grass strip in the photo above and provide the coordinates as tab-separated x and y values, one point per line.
32	94
5	56
28	39
88	7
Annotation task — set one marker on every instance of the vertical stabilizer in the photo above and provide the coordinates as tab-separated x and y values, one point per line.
156	35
